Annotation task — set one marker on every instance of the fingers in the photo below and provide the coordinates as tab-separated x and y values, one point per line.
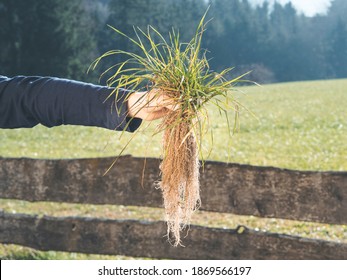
156	114
151	105
158	99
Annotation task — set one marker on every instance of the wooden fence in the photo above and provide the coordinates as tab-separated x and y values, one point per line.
229	188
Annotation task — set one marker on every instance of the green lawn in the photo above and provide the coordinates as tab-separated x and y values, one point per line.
300	125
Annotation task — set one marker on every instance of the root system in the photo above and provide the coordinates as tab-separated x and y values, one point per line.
180	174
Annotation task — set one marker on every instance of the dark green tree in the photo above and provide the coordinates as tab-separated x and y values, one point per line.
51	37
337	53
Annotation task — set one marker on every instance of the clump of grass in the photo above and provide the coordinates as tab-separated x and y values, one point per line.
181	71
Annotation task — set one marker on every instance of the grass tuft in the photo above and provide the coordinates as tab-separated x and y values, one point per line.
181	71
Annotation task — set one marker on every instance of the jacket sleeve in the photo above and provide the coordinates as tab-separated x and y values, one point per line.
28	101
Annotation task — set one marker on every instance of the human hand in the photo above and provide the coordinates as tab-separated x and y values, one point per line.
150	105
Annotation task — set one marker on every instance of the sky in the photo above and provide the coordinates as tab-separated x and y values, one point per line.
308	7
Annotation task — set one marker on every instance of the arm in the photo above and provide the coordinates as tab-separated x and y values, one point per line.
28	101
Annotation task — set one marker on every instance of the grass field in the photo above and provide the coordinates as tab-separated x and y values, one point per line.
300	125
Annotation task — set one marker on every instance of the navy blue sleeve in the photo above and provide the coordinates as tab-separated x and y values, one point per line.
28	101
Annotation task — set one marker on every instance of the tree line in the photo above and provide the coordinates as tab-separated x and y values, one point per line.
62	37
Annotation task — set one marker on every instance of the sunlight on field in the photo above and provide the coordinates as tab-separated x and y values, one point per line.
299	126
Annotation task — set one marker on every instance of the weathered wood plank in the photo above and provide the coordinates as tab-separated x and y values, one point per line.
145	239
239	189
81	181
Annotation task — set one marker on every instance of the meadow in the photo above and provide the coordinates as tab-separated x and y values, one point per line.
301	126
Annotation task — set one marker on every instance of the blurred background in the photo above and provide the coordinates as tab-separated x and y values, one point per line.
279	40
298	124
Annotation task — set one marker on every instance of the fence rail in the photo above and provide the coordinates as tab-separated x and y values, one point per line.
229	188
144	239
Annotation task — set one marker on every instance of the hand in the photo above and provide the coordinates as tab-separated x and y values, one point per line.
150	105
